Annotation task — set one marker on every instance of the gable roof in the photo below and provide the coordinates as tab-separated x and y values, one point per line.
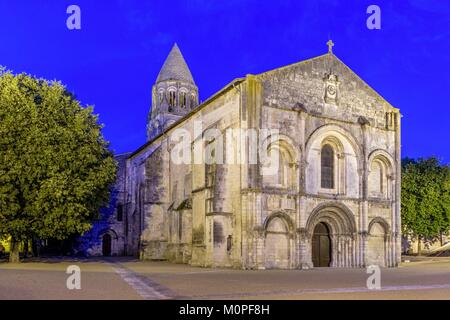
332	57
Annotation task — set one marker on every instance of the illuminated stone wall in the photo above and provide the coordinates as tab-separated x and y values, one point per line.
233	214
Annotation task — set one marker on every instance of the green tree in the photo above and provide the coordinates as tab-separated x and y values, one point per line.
425	199
55	166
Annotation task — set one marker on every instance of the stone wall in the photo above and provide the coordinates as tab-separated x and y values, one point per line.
109	222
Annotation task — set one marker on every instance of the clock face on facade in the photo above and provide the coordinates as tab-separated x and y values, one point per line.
331	90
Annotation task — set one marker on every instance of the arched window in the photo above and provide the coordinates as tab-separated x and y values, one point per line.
327	167
284	169
172	98
183	101
378	179
193	101
161	96
278	168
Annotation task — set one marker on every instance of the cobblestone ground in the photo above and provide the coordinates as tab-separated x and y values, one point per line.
123	278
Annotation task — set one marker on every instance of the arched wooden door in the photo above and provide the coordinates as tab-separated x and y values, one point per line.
106	245
321	246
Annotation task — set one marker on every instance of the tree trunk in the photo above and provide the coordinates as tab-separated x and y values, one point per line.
14	251
419	246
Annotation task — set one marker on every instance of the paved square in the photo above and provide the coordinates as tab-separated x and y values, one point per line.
123	278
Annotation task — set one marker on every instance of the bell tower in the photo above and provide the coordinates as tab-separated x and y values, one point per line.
174	94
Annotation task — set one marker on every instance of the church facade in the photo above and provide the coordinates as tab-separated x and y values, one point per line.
294	168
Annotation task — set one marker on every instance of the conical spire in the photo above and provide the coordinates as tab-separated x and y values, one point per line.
175	67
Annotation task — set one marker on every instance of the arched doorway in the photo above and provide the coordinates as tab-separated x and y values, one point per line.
106	245
331	223
276	247
321	246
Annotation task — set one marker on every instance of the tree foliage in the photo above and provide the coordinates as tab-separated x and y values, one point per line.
425	198
55	166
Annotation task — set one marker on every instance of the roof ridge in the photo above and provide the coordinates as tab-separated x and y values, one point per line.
291	64
330	54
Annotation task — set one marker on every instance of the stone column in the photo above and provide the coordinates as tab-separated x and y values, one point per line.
393	197
303	245
363	239
397	230
304	259
259	242
364	206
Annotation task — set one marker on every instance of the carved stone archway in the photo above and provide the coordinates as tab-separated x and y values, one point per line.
341	226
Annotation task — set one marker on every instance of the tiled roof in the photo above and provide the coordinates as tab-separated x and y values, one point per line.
175	67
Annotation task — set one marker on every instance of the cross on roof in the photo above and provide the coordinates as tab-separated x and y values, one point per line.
330	45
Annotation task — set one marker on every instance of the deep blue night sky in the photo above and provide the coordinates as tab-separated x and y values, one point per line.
114	59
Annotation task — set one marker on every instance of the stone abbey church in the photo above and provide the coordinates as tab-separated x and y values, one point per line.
334	200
